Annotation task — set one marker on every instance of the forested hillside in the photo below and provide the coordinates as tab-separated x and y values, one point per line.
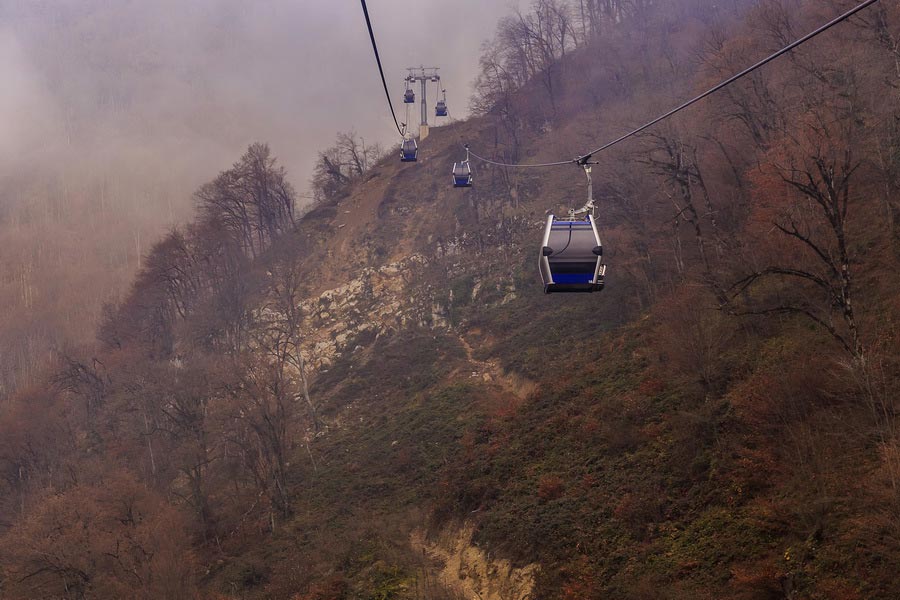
373	399
111	114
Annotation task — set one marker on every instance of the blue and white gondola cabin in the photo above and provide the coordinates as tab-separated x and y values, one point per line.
571	256
409	150
462	174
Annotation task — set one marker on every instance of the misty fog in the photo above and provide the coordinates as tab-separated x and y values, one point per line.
174	91
113	112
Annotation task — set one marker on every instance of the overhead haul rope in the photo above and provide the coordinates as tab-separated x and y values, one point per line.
387	94
585	157
501	164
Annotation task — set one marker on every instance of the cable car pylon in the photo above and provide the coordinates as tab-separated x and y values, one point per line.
422	75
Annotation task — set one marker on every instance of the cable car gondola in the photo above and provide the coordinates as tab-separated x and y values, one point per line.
571	253
409	150
462	174
571	256
440	109
409	96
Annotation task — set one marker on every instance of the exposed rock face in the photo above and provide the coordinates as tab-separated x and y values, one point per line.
465	569
379	300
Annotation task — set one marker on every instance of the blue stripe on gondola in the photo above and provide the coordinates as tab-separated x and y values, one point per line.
573	277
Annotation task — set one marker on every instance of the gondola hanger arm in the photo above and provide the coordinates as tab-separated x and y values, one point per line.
588	207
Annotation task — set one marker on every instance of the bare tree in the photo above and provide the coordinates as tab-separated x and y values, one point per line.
183	406
89	381
814	180
284	328
340	165
252	201
678	164
258	423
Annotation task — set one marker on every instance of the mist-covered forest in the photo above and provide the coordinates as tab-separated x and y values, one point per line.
237	365
113	113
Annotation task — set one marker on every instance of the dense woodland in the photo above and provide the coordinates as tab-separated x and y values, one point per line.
720	422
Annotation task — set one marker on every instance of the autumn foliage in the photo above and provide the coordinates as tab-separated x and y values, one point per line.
719	422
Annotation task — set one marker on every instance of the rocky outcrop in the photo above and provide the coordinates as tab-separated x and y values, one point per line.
377	301
464	568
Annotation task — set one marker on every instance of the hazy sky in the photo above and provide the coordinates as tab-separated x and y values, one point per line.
184	85
342	88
